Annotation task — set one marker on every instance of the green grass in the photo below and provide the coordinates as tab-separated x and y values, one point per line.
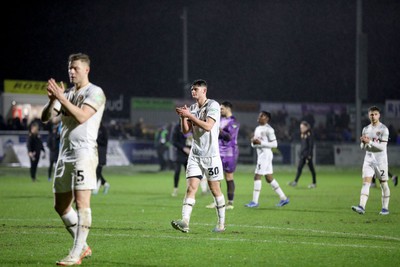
131	224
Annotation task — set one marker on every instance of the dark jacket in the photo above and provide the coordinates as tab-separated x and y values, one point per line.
307	145
102	143
35	144
179	142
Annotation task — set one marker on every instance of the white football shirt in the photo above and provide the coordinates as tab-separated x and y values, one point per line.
205	144
265	133
378	134
74	135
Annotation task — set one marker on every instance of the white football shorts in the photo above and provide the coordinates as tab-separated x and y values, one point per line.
380	171
209	167
264	164
78	173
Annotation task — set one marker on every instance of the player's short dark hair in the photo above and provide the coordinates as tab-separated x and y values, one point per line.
267	114
199	82
79	56
374	108
227	104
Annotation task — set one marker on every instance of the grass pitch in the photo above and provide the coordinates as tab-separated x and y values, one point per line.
131	224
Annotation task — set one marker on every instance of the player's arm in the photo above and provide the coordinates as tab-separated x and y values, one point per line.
372	146
258	143
82	114
375	146
269	144
188	120
226	133
270	141
186	125
205	125
48	111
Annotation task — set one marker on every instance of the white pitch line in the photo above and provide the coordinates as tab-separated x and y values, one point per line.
230	226
181	236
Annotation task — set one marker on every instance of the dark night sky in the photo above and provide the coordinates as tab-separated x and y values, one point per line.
271	50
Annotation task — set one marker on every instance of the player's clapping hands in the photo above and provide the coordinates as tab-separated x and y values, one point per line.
183	111
55	91
365	139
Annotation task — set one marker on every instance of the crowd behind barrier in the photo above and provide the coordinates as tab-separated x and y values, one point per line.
332	130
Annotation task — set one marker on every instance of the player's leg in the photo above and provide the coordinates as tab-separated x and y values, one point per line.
214	173
300	167
284	200
394	178
229	166
63	197
230	184
261	169
367	174
84	179
187	205
33	169
177	173
373	181
382	174
313	174
50	169
103	180
229	169
204	187
194	175
215	187
257	185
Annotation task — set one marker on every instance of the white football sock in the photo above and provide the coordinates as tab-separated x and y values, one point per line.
275	186
187	208
84	223
70	220
256	190
385	195
364	194
220	208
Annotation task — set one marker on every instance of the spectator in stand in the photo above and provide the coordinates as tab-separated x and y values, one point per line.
3	125
344	119
161	143
35	146
138	129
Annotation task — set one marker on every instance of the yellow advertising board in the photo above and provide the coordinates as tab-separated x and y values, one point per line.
25	87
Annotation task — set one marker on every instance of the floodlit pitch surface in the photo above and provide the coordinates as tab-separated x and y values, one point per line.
131	224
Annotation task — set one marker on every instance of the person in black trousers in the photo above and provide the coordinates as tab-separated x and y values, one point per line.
53	143
35	146
182	144
102	144
306	154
